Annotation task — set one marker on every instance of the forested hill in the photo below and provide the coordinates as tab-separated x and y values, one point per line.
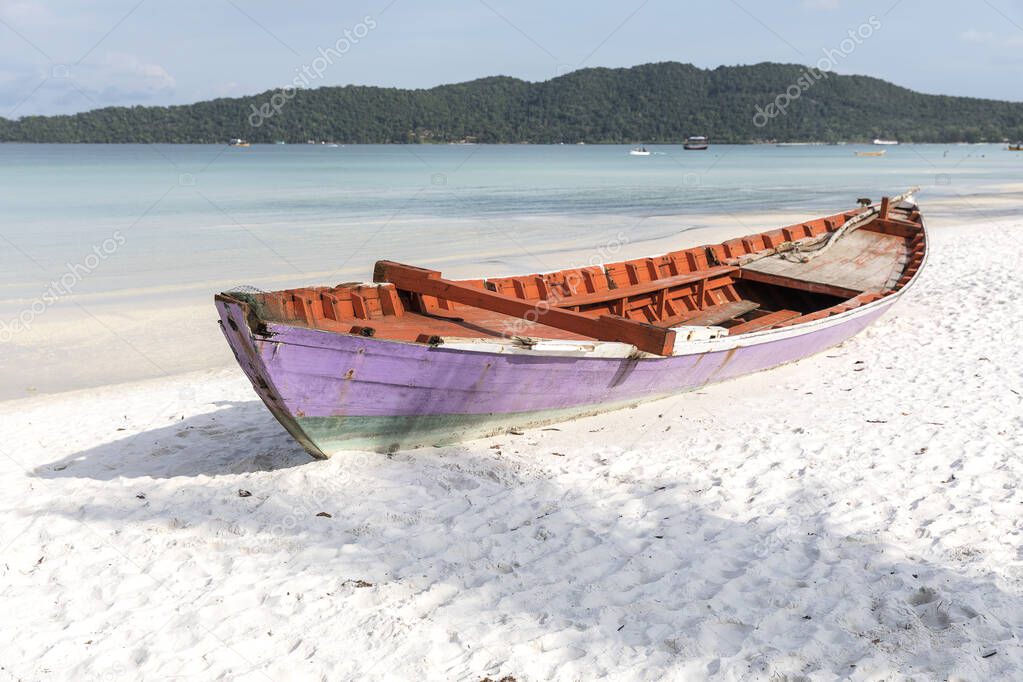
650	103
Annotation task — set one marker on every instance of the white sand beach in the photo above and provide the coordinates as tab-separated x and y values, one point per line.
852	516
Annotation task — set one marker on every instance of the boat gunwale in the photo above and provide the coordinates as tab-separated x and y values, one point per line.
697	347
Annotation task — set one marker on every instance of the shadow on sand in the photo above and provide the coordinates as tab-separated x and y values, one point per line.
239	437
566	565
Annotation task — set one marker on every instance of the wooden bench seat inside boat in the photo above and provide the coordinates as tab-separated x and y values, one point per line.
714	315
765	321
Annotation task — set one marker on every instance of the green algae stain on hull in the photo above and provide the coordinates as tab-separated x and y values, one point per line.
331	435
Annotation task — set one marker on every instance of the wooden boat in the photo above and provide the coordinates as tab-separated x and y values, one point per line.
413	358
878	153
696	143
238	142
1018	147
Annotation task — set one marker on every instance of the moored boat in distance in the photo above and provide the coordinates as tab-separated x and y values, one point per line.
696	143
415	359
1018	147
879	141
238	142
880	152
639	151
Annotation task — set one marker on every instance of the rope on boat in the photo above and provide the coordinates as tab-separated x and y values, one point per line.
806	250
245	289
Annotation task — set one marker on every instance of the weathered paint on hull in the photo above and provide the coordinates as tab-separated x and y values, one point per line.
387	434
336	392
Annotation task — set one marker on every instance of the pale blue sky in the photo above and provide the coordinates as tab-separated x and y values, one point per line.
61	57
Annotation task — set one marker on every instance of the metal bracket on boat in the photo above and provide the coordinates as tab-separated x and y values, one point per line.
430	339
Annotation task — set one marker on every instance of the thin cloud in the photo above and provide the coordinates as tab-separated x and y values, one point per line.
821	4
117	78
975	37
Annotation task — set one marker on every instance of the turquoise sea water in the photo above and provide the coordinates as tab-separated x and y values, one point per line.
216	213
104	233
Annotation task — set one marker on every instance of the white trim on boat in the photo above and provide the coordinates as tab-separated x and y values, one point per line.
542	347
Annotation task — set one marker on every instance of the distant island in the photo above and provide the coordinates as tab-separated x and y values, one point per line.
651	103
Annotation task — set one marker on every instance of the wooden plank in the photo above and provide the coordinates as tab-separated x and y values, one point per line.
645	337
332	309
645	287
794	283
855	302
359	306
768	320
892	227
720	313
712	315
304	308
390	304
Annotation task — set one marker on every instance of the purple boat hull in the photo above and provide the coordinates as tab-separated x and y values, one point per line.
336	392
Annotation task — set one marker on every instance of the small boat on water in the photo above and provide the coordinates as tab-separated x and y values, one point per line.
415	359
879	141
1018	147
639	151
696	143
881	152
238	142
